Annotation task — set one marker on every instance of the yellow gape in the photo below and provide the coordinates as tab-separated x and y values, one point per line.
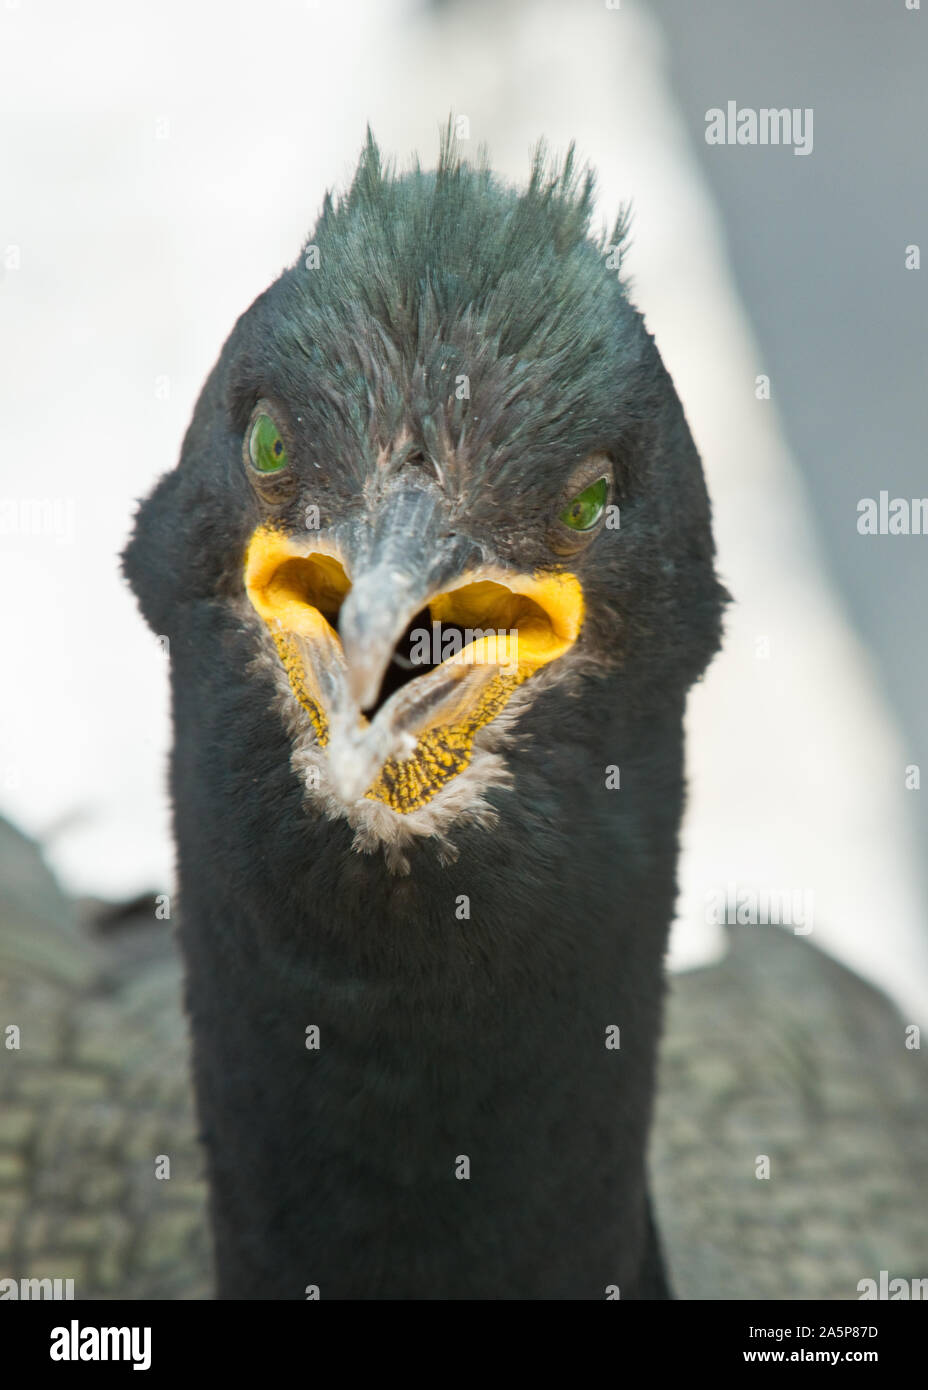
517	623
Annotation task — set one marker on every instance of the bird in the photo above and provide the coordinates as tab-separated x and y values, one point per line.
777	1051
436	572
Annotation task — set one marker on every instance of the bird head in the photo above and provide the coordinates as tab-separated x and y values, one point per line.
438	473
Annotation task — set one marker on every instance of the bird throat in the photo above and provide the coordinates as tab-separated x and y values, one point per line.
440	754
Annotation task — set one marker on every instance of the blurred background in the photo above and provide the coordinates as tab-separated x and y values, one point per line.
160	164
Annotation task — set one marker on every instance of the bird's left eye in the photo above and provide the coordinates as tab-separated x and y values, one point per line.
266	449
587	507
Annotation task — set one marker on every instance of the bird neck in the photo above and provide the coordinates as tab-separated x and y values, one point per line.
436	1085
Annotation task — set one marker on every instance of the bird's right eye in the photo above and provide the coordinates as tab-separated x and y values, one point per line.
266	448
583	512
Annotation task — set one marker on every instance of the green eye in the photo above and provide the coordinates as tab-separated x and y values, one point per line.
587	507
266	449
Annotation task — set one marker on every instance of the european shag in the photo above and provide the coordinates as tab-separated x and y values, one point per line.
437	572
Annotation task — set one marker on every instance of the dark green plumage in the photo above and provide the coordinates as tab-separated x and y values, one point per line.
482	302
441	1036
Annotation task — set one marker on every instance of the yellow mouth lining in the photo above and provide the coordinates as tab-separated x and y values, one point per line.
543	611
290	588
299	594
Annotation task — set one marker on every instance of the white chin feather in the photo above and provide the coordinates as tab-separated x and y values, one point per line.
355	757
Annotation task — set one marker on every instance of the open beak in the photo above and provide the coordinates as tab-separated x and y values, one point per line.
401	644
